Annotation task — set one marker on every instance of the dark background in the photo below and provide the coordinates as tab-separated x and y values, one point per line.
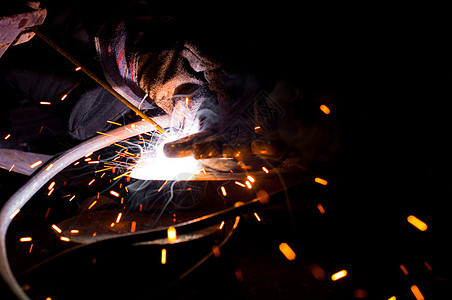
386	65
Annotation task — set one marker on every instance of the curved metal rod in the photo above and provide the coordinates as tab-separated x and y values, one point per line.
24	194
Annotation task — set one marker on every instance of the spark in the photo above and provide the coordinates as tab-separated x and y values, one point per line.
7	136
34	165
10	169
417	223
31	247
49	167
50	192
76	163
14	213
223	191
339	275
321	209
118	218
63	97
257	127
416	292
133	226
257	216
216	251
88	154
172	235
427	265
250	178
287	251
321	181
163	256
392	298
88	159
65	239
325	109
74	231
72	198
112	224
91	182
98	132
221	225
239	184
404	270
25	239
265	170
93	162
78	69
115	123
51	185
123	174
45	103
92	204
186	101
56	228
248	184
116	194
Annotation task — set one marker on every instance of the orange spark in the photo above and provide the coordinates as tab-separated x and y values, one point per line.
63	97
250	178
248	184
65	239
221	225
186	101
216	251
416	292
417	223
50	192
321	181
116	194
427	265
163	257
7	136
91	182
265	170
72	198
172	235
14	213
78	69
404	270
339	275
257	216
45	103
321	209
325	109
133	227
10	169
112	224
118	218
223	191
34	165
49	167
25	239
287	251
74	231
239	184
92	204
166	181
51	185
392	298
115	123
56	228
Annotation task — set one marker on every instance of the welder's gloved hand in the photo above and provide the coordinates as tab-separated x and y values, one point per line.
273	126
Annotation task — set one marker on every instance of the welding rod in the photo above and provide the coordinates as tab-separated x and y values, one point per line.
96	79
